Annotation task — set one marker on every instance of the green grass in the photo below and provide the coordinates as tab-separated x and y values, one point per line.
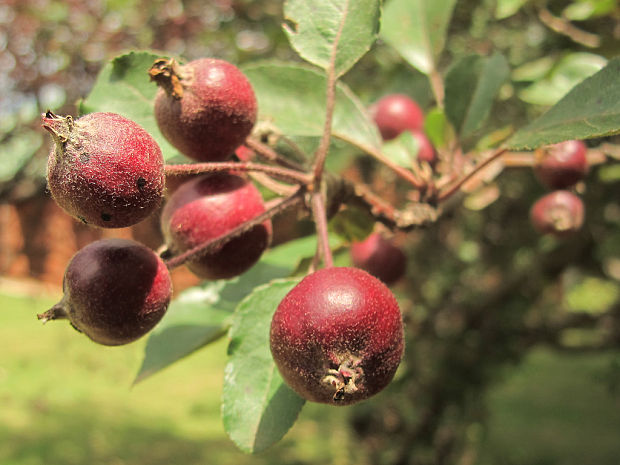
555	409
67	401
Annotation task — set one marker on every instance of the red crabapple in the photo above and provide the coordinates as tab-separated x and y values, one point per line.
205	108
337	336
559	213
379	257
396	113
208	207
561	165
104	169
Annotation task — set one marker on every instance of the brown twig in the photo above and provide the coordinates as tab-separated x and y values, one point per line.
283	174
454	188
213	244
320	219
566	28
269	154
405	174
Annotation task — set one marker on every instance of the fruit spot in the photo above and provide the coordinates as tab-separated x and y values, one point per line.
141	182
106	217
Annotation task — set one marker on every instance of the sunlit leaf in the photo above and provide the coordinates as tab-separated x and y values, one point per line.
417	29
325	30
591	109
258	408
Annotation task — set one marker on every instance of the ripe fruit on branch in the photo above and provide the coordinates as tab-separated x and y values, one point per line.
561	165
205	108
379	257
559	213
337	336
396	113
208	207
115	291
104	169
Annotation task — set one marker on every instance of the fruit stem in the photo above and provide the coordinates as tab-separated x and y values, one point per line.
213	244
57	312
320	219
271	155
404	173
283	174
454	188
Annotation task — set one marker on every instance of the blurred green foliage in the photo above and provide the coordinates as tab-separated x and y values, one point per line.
482	288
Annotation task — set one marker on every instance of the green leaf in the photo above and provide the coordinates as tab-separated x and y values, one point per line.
593	295
322	30
293	98
591	109
564	75
417	29
123	87
582	10
258	408
201	315
437	128
193	320
402	150
17	151
506	8
471	86
352	223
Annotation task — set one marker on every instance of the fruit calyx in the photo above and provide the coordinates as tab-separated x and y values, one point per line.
168	74
60	127
345	377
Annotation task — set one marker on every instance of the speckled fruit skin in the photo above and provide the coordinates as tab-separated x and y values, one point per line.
396	113
104	169
337	336
212	111
380	257
115	291
559	213
561	165
208	207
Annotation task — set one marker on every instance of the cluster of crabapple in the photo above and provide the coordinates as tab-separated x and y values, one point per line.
393	114
337	337
559	167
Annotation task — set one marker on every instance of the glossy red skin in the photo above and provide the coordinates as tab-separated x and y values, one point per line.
426	151
109	173
561	165
332	315
116	290
208	207
396	113
215	114
380	257
559	213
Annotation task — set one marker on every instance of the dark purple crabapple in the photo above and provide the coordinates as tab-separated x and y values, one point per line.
559	213
337	336
210	206
115	291
104	169
396	113
380	257
205	108
561	165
